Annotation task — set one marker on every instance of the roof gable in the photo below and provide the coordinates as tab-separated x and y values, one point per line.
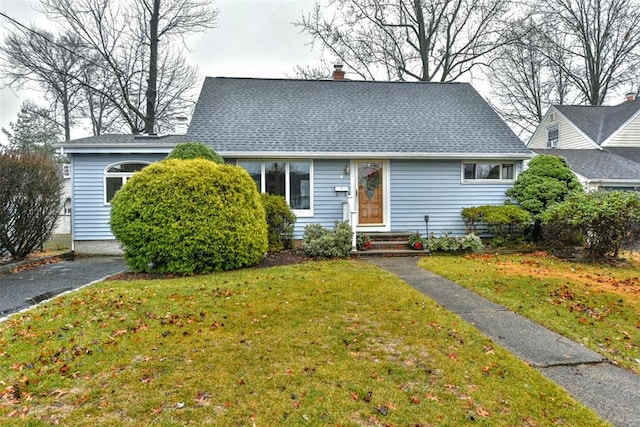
600	122
242	115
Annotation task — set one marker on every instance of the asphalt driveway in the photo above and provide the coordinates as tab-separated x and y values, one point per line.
22	290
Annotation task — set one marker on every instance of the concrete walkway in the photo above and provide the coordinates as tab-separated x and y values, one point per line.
613	392
25	289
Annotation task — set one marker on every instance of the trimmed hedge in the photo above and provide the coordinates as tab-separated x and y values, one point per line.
280	222
189	216
504	222
194	150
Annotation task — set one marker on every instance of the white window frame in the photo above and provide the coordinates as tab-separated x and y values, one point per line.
553	143
66	170
488	181
123	175
300	213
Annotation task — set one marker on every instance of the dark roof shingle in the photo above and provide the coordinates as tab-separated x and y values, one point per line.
598	164
322	116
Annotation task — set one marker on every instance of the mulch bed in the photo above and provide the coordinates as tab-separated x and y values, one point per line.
271	260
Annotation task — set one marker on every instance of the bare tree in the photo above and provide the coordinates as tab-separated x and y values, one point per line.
596	43
524	82
127	39
35	55
409	39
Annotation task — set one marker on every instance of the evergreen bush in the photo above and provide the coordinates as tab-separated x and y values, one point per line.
189	216
605	221
507	223
280	221
320	242
194	150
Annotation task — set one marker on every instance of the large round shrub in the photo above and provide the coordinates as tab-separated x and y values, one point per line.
189	216
194	150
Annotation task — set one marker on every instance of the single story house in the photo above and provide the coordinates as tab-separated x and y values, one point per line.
600	143
381	155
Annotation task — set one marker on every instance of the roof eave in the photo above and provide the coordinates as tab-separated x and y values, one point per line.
371	155
101	148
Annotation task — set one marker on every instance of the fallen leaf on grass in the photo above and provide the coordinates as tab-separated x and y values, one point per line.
202	398
481	412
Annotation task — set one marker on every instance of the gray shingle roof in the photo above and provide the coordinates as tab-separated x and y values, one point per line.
243	115
599	122
598	164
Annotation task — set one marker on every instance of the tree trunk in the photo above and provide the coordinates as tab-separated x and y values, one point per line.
150	119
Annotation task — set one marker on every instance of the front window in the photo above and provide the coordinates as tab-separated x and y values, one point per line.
116	175
292	180
488	171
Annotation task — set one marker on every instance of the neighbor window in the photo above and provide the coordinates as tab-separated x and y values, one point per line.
552	137
488	171
292	180
116	175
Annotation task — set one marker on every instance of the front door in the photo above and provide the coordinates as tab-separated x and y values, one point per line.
370	193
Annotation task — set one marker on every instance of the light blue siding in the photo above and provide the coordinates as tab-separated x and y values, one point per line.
327	204
434	188
90	213
418	188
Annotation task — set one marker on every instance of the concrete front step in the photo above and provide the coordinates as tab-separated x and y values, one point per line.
389	253
394	243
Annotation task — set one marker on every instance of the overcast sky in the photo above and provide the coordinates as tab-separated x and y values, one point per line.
254	38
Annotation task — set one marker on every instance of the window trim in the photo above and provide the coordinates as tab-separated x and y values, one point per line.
66	170
300	213
500	180
123	175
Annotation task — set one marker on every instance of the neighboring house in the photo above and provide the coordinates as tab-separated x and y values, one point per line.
381	155
600	143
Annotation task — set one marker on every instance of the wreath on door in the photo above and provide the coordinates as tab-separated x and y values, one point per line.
371	180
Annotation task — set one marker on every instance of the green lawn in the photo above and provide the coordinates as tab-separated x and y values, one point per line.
327	343
596	304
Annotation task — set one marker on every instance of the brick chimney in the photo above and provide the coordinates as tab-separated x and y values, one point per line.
338	74
631	96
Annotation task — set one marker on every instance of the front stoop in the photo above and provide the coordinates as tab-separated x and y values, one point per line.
390	244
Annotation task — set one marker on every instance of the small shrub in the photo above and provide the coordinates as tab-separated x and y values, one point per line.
30	187
320	242
189	216
448	243
194	150
605	221
280	221
507	223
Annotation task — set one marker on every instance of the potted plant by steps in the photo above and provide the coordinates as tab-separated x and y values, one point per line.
363	242
416	241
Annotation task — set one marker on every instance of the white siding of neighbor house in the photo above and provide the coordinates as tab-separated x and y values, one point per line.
435	188
569	138
629	136
90	213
